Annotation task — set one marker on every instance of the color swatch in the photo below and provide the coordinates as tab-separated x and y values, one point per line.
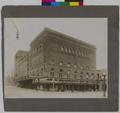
62	3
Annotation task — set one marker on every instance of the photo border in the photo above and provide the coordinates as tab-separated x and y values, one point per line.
70	104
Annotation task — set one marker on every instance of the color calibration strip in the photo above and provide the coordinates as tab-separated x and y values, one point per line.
62	2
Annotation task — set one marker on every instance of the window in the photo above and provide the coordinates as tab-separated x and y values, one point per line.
75	66
61	63
76	53
62	49
66	50
81	67
87	73
75	75
73	51
68	64
87	67
79	53
69	50
98	76
68	74
41	71
60	73
81	77
52	72
87	76
52	62
81	72
61	70
52	69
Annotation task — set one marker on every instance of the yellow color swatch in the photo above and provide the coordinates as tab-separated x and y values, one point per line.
74	3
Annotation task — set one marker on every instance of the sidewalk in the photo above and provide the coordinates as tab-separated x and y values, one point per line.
16	92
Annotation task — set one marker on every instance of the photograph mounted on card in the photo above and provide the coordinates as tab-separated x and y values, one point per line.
67	59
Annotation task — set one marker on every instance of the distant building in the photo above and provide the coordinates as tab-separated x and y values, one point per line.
58	62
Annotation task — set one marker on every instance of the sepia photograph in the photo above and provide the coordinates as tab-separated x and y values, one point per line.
56	58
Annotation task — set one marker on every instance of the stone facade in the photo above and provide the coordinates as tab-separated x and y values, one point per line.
21	64
60	62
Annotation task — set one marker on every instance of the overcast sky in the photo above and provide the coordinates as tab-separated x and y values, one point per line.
91	30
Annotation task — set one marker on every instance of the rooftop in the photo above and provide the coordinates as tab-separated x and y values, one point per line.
62	35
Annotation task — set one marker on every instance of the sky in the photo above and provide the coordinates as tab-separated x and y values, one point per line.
90	30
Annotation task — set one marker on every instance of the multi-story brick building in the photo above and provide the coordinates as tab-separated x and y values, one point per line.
58	62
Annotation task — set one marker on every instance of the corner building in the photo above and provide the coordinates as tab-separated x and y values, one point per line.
58	62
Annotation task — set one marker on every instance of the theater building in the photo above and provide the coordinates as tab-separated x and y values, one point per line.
58	62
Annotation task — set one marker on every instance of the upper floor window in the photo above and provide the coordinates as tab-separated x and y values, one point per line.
85	53
98	76
76	53
87	73
60	73
62	49
73	51
81	67
61	70
69	50
52	69
75	66
68	74
61	63
87	67
51	62
82	54
52	72
68	64
79	53
81	73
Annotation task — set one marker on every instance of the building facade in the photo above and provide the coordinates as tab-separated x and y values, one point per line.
59	62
